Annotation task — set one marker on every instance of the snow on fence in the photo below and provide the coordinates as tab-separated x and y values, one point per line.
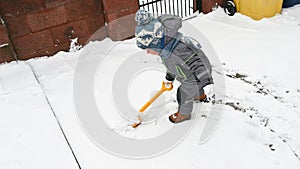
182	8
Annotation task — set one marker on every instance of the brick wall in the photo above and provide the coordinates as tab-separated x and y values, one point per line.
6	50
119	15
44	27
207	5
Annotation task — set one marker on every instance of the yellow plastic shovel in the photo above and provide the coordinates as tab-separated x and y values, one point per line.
163	88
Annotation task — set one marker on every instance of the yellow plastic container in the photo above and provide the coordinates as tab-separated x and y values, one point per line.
258	9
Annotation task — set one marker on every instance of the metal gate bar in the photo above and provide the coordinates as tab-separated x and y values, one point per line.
182	8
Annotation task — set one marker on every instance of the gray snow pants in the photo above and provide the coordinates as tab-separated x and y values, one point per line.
186	93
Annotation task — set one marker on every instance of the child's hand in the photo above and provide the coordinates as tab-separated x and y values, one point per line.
168	83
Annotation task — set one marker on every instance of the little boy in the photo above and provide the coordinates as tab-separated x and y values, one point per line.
181	55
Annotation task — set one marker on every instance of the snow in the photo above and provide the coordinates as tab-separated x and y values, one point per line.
30	136
259	127
3	45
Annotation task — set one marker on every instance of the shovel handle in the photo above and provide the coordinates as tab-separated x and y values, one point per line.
163	88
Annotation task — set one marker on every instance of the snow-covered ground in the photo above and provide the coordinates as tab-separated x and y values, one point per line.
259	128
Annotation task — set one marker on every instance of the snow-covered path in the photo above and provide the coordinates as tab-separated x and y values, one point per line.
30	134
260	125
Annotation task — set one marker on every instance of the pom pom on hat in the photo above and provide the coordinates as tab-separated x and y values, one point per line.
142	17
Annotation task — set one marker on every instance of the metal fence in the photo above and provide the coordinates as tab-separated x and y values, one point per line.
182	8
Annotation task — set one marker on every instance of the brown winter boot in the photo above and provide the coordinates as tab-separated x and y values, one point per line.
177	117
201	98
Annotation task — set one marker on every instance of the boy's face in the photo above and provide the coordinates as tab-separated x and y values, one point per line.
153	52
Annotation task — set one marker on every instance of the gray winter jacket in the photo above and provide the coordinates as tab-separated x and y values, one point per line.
184	63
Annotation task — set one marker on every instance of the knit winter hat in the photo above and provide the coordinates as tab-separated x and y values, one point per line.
149	31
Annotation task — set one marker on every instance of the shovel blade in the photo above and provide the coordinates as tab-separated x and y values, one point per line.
135	125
